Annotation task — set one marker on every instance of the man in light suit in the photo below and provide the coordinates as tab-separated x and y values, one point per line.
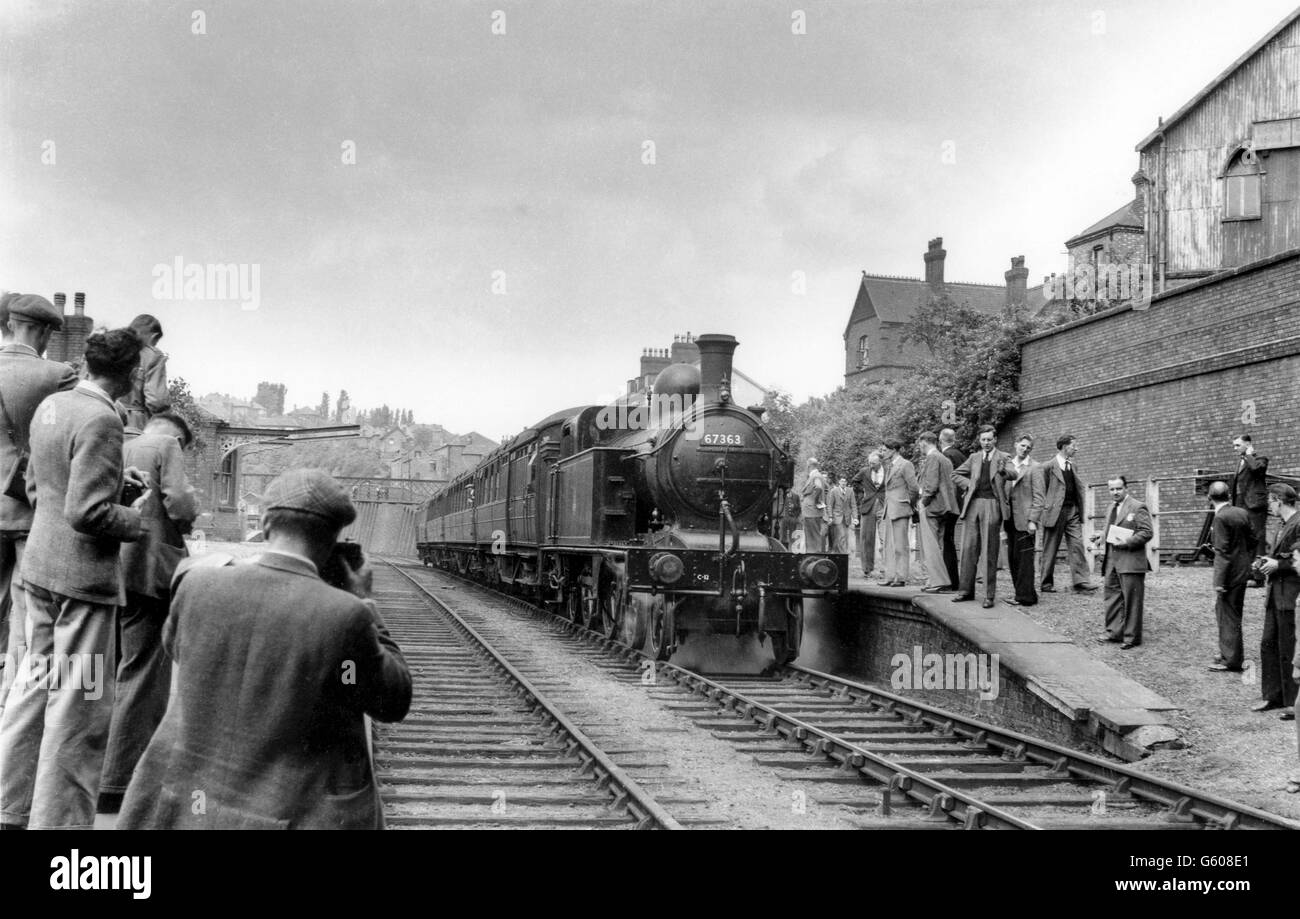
983	477
1126	566
262	720
1060	514
813	496
55	720
143	668
869	484
1277	682
938	499
1023	490
900	498
840	515
26	378
1249	488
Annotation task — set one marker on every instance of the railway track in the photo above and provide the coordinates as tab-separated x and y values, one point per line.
894	762
482	745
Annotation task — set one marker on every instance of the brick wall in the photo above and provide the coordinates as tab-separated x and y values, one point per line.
864	633
1163	391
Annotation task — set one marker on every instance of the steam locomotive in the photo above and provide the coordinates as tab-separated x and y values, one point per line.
641	518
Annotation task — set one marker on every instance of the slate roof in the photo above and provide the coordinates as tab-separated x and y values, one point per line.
896	299
1123	217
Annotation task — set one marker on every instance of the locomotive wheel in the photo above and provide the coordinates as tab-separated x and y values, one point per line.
611	613
661	629
590	608
637	614
573	604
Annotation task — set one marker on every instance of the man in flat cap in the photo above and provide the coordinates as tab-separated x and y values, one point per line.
276	670
26	323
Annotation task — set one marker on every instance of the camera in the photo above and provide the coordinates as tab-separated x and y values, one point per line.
131	491
345	557
1256	577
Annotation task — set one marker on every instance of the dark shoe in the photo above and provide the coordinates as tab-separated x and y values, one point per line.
110	802
962	598
1287	716
896	584
936	590
1012	602
1027	602
987	604
1084	588
1265	706
1129	644
1047	589
1104	638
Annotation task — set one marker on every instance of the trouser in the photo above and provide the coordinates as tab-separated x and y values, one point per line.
14	636
814	534
1276	650
1228	607
788	527
869	533
1124	595
1258	525
897	553
950	544
1020	562
143	684
979	542
930	536
55	723
1070	526
839	538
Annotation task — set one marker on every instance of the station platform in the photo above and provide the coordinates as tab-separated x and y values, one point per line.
1048	684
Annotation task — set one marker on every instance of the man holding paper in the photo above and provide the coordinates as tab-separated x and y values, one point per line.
1127	532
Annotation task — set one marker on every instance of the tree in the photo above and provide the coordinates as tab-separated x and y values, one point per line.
183	404
341	407
324	409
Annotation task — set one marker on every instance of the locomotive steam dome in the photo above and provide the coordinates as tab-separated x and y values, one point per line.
678	380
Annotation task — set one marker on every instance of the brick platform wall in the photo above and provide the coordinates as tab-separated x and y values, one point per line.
866	632
1163	391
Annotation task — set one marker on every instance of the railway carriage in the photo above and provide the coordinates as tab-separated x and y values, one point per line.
641	518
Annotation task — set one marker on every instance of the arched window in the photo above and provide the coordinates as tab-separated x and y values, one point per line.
863	350
1242	182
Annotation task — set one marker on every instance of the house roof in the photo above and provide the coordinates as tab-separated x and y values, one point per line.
895	299
1123	217
1196	100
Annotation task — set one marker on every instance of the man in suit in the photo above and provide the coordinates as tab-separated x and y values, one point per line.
934	484
143	670
1126	565
261	720
813	495
840	511
26	378
1277	683
869	484
983	477
1250	488
1060	514
55	721
1233	539
948	447
900	498
1022	494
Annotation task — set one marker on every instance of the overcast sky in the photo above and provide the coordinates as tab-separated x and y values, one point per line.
520	158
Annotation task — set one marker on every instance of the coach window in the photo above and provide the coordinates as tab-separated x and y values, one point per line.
1242	187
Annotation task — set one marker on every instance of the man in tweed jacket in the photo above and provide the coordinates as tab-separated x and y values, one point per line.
25	379
55	721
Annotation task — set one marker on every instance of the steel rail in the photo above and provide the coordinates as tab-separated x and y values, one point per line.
1183	802
649	813
943	801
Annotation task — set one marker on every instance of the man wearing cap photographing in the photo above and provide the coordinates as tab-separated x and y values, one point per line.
26	323
276	670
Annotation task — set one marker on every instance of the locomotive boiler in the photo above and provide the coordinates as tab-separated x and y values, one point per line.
641	518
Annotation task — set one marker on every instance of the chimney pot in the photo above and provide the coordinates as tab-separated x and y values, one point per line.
934	257
79	303
60	300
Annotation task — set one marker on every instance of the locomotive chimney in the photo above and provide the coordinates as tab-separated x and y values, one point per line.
715	365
